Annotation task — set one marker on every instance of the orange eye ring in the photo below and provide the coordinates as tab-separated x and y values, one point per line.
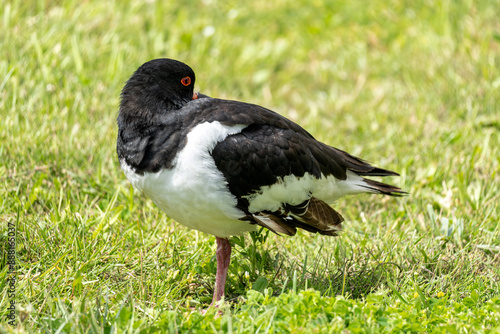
186	81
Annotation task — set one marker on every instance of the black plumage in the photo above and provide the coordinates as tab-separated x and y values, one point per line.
245	151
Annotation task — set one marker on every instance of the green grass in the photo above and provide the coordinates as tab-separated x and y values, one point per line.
411	86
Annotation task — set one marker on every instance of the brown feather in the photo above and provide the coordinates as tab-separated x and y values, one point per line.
312	215
322	217
274	223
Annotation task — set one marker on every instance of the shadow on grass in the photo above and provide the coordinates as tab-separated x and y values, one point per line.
354	273
258	268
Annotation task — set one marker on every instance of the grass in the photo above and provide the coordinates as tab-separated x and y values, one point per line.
409	86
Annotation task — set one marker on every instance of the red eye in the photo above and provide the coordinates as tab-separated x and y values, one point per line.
186	81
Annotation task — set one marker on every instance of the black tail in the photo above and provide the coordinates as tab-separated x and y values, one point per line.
383	188
377	172
363	168
360	166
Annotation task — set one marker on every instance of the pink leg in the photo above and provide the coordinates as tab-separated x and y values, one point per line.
223	256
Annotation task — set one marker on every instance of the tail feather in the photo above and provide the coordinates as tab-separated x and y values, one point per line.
378	172
363	168
360	166
383	188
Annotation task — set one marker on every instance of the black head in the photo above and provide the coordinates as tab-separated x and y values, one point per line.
158	86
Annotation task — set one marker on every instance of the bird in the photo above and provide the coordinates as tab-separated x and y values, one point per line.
226	167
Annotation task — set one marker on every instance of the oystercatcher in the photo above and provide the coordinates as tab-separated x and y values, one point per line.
224	167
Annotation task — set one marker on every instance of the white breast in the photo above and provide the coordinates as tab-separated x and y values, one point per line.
195	192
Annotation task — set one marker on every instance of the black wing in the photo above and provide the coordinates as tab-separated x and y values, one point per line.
259	156
272	147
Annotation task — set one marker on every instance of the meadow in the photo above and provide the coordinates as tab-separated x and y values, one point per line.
411	86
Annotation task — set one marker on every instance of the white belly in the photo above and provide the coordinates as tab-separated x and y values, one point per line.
195	192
